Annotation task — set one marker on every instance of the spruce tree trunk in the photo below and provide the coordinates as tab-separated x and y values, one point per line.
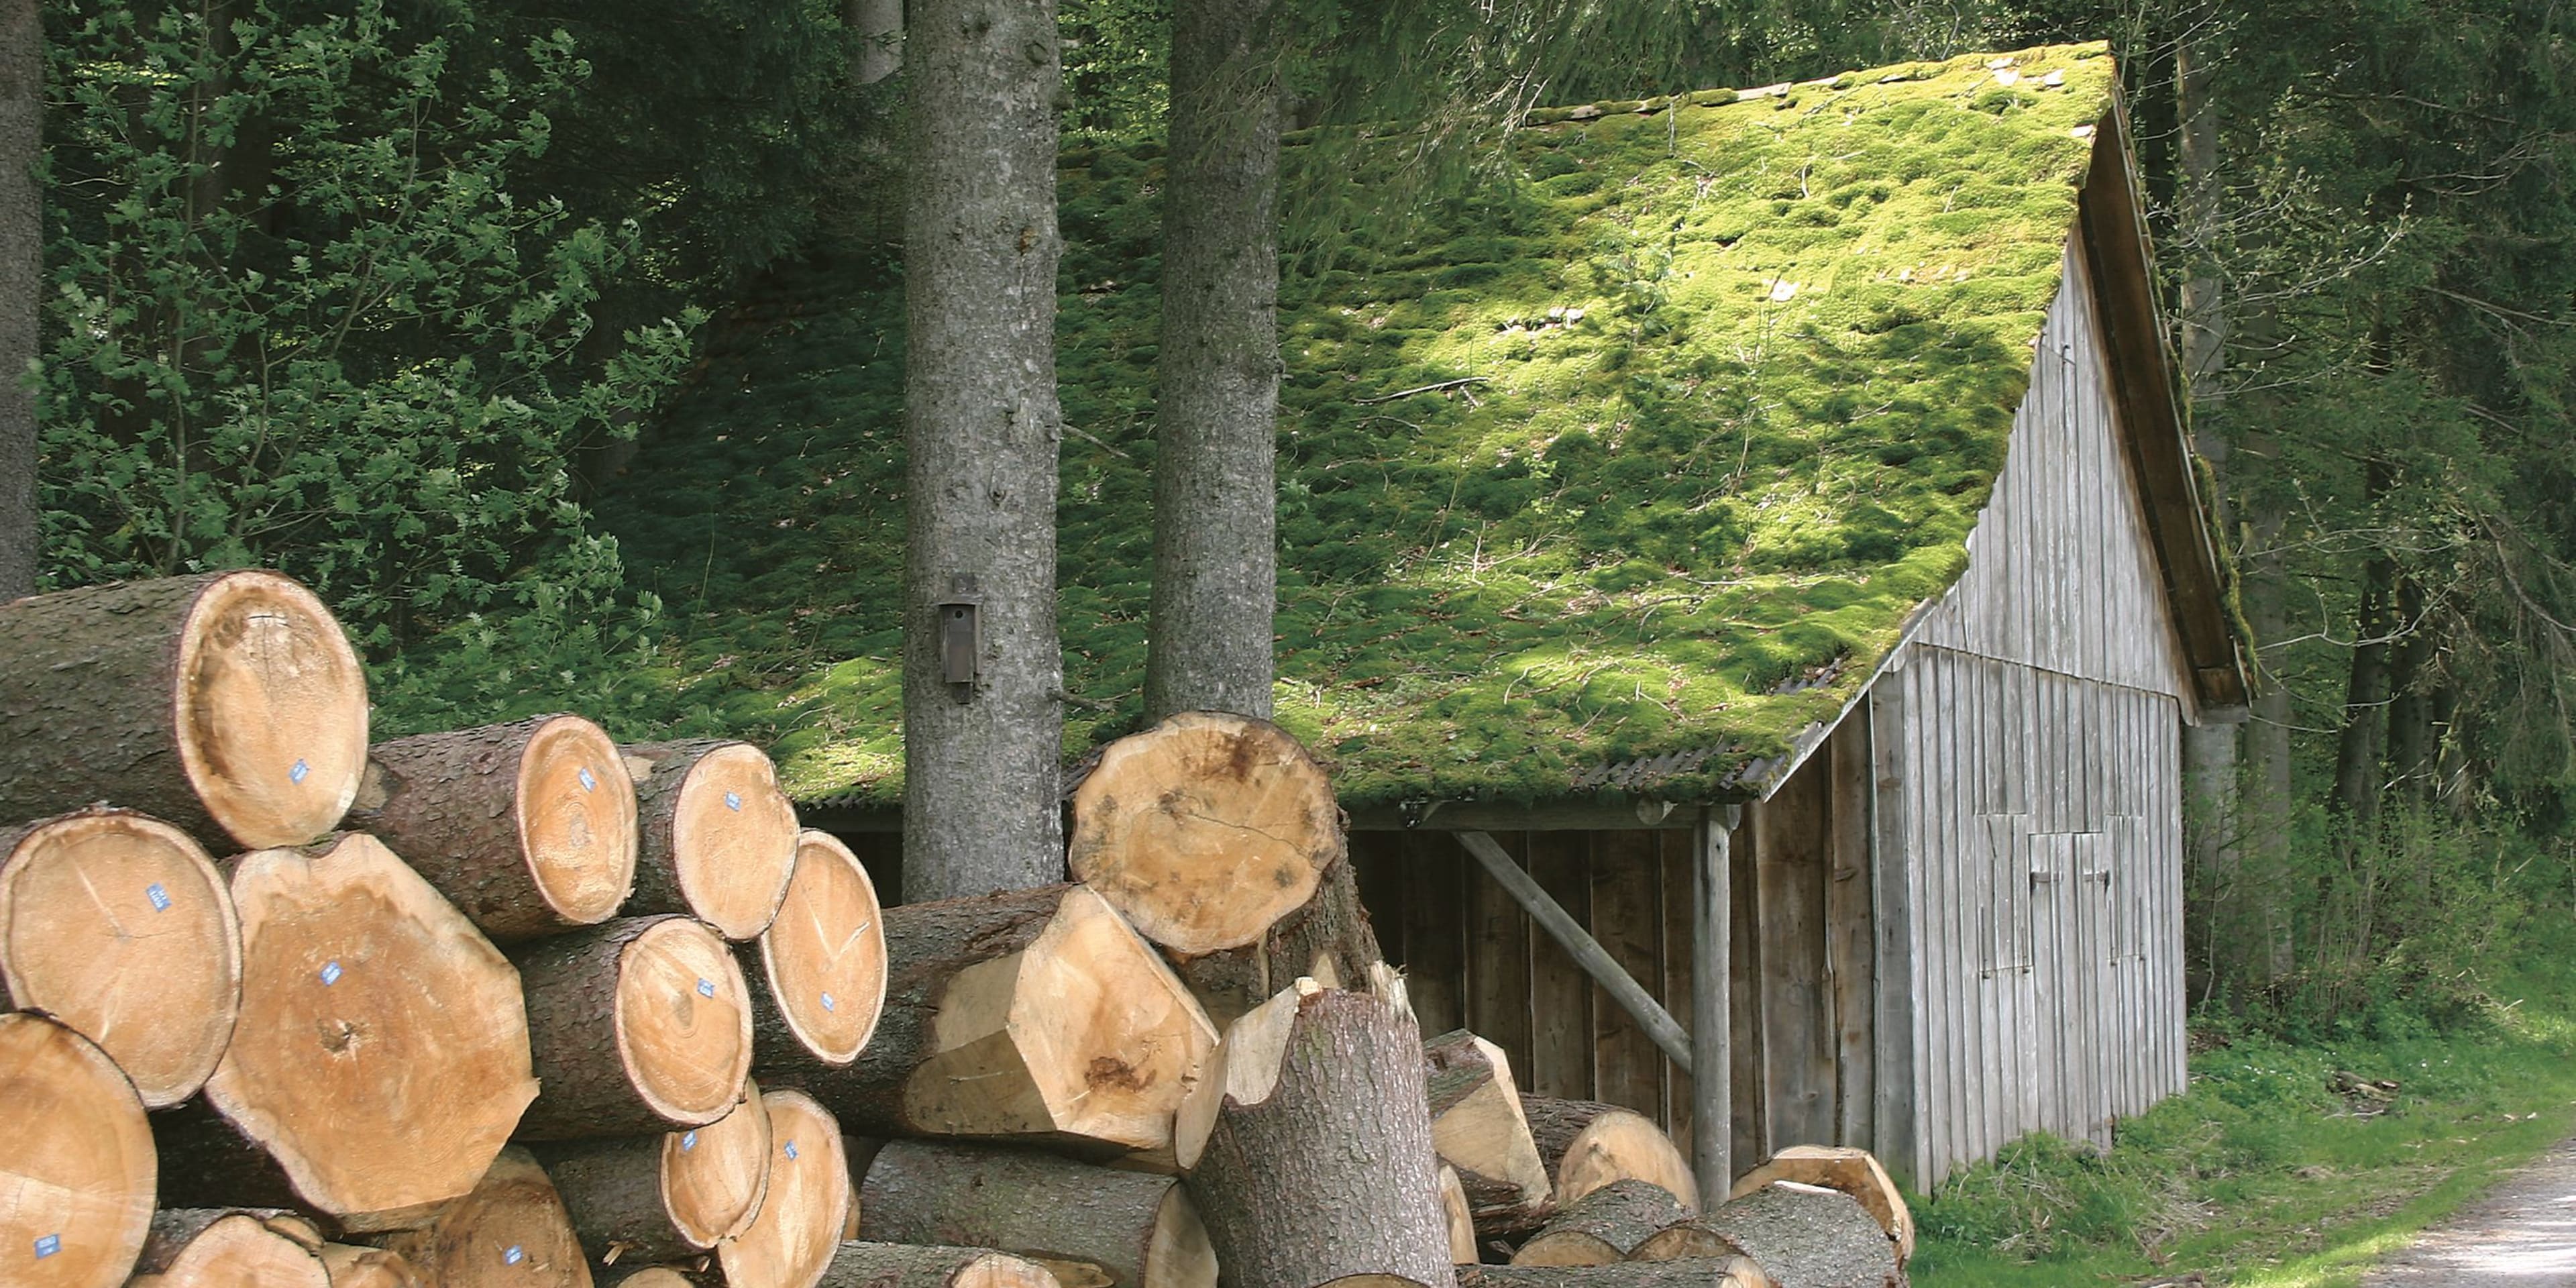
1216	566
982	427
2410	703
22	242
2365	715
879	24
894	1265
1090	1225
1603	1227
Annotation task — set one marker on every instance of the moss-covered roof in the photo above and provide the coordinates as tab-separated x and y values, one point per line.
1709	397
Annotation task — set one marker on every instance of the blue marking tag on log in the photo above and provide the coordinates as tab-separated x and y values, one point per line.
827	1001
688	1141
48	1246
299	772
160	898
791	1149
733	801
330	974
514	1256
706	988
588	783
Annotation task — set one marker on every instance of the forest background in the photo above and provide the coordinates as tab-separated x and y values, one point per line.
381	294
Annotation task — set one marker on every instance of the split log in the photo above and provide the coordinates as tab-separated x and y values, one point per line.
1030	1014
1720	1272
1587	1145
810	1204
229	704
1089	1226
509	1232
381	1057
226	1248
528	827
1855	1172
1308	1146
117	924
634	1026
76	1181
1462	1218
717	839
895	1265
821	964
1477	1126
648	1199
356	1266
1803	1236
1603	1227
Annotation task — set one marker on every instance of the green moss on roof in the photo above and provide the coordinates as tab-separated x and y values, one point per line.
1738	372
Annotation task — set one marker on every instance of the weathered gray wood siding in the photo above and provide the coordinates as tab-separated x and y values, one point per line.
2030	799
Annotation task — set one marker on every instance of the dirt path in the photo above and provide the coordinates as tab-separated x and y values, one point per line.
2521	1234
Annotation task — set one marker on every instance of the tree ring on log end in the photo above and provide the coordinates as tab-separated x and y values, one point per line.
1622	1145
238	1250
734	840
683	1021
1205	830
271	710
825	955
510	1231
78	1179
1001	1270
803	1218
576	817
713	1177
117	925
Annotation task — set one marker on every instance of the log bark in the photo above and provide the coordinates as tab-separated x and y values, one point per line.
634	1026
1089	1226
716	839
1725	1272
1587	1145
351	1265
226	1248
1855	1172
810	1204
819	970
77	1178
1205	830
1309	1149
381	1057
230	705
118	925
1035	1015
1602	1227
893	1265
1476	1125
528	827
509	1232
666	1198
1807	1236
1462	1218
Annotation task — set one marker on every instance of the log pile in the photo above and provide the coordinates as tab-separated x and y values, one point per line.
518	1006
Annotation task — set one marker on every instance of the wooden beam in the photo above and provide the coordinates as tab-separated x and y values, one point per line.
1495	816
1712	1117
1580	945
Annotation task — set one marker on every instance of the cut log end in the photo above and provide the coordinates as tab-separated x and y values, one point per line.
1477	1126
271	710
1589	1145
230	1250
733	840
77	1180
576	820
1179	1254
510	1231
825	955
1855	1172
1462	1219
713	1177
117	925
1205	830
1604	1227
683	1019
809	1204
893	1265
353	1266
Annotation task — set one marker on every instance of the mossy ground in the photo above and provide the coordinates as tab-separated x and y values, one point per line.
1725	383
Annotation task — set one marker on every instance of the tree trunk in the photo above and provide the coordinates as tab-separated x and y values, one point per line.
717	839
1309	1148
1090	1226
225	1248
1603	1227
643	1199
509	1232
634	1026
352	1265
22	287
1477	1127
879	26
1216	435
1035	1014
893	1265
1807	1236
76	1182
381	1057
229	704
809	1208
1461	1218
1855	1172
1587	1145
2411	744
2268	802
93	904
982	778
1727	1272
528	827
820	969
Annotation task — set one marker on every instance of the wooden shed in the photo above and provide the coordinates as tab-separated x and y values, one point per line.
1762	518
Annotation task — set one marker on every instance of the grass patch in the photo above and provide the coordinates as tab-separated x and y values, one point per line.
2261	1175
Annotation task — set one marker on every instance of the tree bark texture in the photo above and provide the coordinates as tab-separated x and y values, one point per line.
509	1232
1216	422
638	1025
1729	1272
1330	939
223	1247
1805	1236
96	903
1319	1162
879	26
982	774
893	1265
716	838
528	827
1088	1225
22	287
1855	1172
646	1199
819	972
809	1208
77	1178
2267	802
1602	1227
1477	1127
1587	1145
229	704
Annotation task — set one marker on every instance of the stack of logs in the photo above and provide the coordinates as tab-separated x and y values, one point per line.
518	1006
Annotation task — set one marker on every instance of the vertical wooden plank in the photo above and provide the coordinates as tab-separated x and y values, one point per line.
1679	860
1433	929
1897	1024
1850	938
1793	854
1959	922
1498	958
1560	997
1747	1138
1628	920
1712	1033
1377	865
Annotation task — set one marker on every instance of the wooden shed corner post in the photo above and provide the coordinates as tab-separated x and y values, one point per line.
1711	1092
